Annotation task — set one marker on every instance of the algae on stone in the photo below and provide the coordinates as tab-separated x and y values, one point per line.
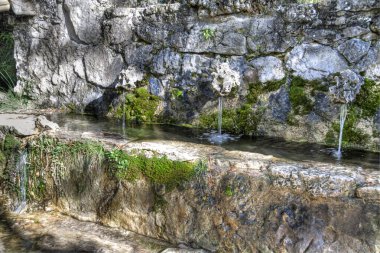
138	106
158	170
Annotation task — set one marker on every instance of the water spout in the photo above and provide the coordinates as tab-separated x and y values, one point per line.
123	123
217	137
220	115
342	119
21	170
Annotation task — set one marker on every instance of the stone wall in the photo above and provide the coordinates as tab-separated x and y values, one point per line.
283	67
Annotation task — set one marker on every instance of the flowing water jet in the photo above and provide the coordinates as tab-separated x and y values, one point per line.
21	170
220	115
123	123
342	119
218	137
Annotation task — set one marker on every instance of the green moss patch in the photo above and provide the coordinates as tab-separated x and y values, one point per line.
257	89
365	106
243	120
368	99
139	106
352	136
51	159
158	170
300	100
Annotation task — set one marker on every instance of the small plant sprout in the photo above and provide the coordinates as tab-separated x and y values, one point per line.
208	33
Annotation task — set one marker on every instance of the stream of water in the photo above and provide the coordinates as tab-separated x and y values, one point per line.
21	170
264	145
217	137
342	119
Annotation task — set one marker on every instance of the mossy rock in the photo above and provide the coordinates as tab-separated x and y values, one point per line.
299	98
368	99
139	106
158	170
11	144
257	89
243	120
352	136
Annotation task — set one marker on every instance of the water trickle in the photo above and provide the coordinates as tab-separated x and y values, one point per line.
21	170
123	123
218	137
342	119
220	115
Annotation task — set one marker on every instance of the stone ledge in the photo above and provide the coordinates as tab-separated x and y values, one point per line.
314	178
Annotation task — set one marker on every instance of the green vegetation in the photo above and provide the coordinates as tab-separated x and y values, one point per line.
139	106
7	62
257	89
368	100
11	143
208	33
9	153
365	106
8	78
351	134
243	120
229	192
176	93
61	159
158	170
301	103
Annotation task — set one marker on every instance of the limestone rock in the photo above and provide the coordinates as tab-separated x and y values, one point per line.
354	49
268	68
24	7
138	55
45	124
347	87
167	61
232	44
130	77
357	5
267	35
225	78
156	88
20	124
194	63
375	25
119	30
279	105
102	66
314	61
84	18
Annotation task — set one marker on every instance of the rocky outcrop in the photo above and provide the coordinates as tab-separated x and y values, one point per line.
25	125
78	54
237	201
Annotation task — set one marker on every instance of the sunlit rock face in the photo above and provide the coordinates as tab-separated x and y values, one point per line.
242	202
80	53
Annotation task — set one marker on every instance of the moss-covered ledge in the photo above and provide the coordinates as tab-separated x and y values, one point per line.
205	196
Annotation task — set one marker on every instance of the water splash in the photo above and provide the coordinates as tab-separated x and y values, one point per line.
123	123
220	115
218	137
342	119
21	170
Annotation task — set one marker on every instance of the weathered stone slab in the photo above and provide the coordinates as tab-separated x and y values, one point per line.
102	66
25	125
20	124
354	49
24	7
314	61
268	69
